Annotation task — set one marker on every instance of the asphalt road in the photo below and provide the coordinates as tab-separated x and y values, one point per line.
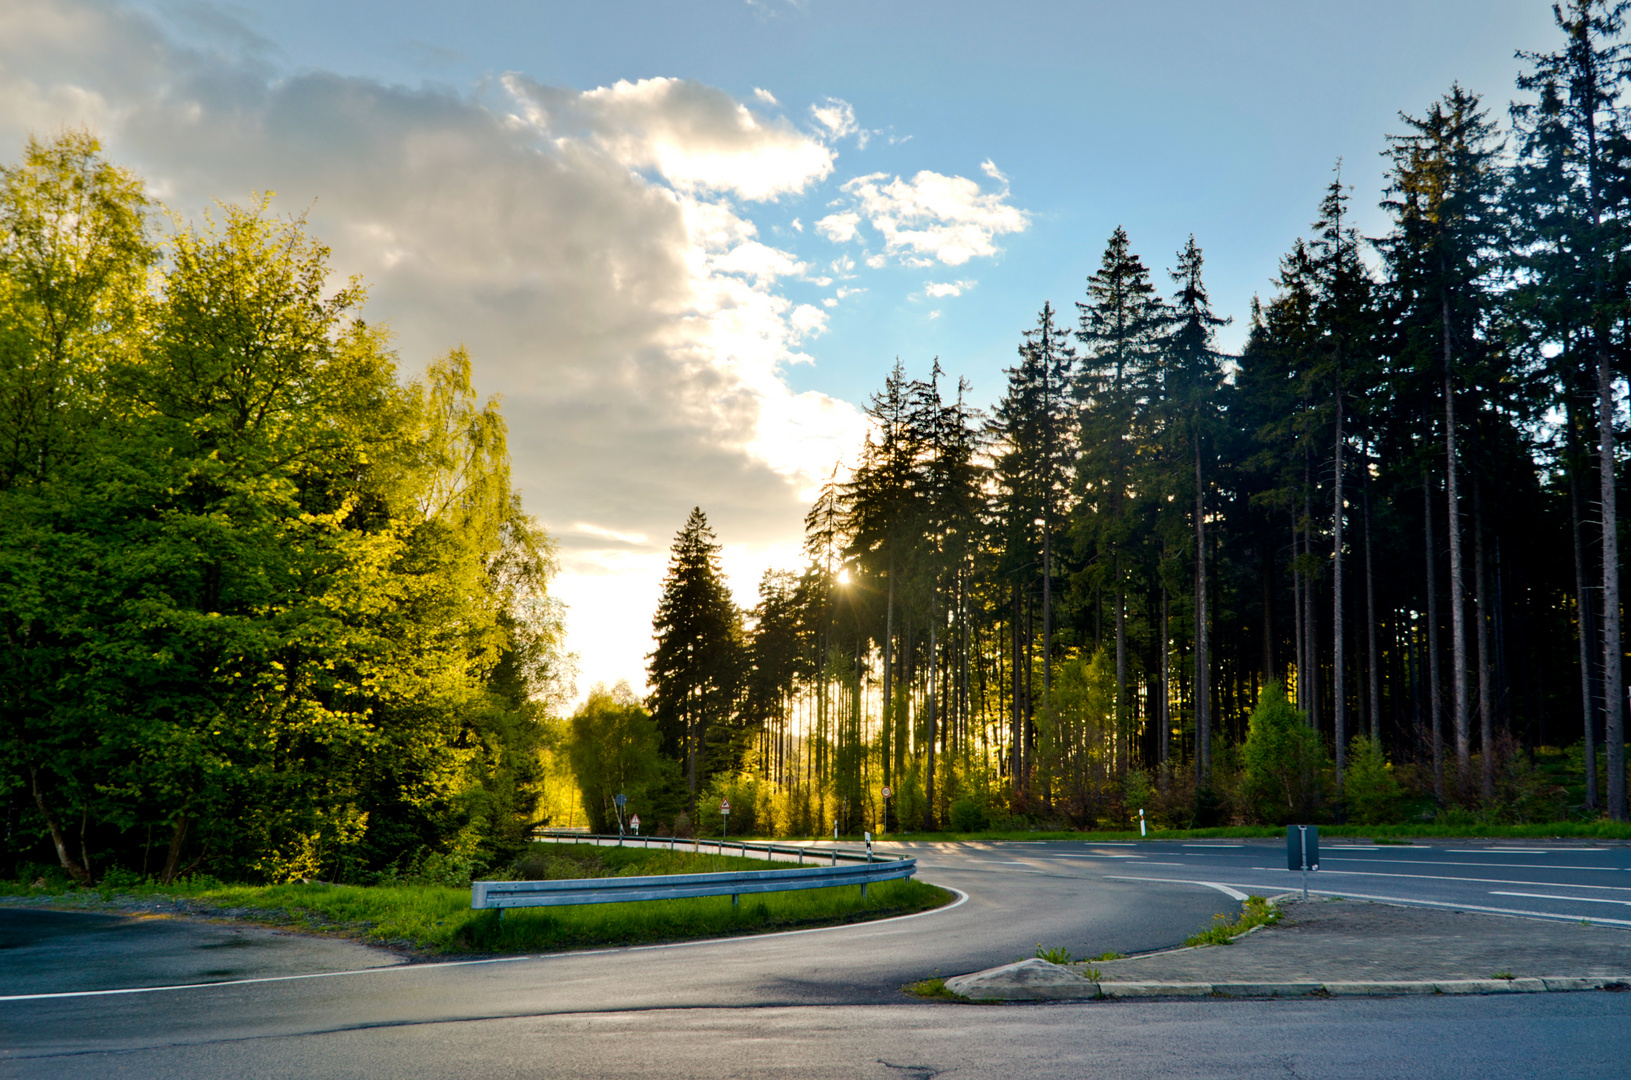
809	1003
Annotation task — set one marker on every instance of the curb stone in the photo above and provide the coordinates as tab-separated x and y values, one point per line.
984	990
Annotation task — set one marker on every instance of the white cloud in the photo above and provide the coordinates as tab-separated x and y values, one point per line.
765	96
930	218
697	137
946	288
840	228
581	244
838	117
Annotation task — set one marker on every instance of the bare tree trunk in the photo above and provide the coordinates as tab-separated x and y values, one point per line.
80	872
1339	703
1309	626
1166	679
1203	694
1121	658
1585	621
889	674
172	856
1370	619
1613	677
1486	705
1458	630
1435	696
1301	694
934	667
1017	725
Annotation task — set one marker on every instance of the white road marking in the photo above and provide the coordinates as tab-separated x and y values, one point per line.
1235	894
1408	902
1446	877
1570	899
1214	845
1064	855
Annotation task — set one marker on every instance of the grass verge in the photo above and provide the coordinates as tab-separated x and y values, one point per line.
1255	912
437	919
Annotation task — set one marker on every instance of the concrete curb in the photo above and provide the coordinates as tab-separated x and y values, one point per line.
1113	990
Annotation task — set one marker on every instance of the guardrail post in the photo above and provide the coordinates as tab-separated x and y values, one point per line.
736	901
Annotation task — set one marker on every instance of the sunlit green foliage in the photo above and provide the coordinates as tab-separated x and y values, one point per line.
267	608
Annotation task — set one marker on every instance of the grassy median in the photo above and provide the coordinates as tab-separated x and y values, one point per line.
438	919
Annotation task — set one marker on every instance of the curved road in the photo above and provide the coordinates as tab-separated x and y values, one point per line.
807	1003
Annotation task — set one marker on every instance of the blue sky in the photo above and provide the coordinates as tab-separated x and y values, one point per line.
686	241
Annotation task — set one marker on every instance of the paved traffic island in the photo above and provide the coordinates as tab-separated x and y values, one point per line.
1334	947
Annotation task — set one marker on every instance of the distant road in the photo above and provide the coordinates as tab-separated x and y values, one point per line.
745	1006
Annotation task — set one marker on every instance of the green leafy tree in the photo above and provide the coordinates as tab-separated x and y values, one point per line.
614	748
1282	759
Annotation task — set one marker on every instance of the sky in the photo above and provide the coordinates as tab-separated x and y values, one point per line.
684	242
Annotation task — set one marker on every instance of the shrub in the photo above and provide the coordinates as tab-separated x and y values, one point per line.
967	815
1370	790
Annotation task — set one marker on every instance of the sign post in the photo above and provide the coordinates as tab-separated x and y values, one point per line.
724	817
620	799
1303	850
887	792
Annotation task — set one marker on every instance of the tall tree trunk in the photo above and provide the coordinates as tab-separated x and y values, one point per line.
1016	733
1300	695
1270	669
1370	620
1166	678
77	870
1613	676
1458	630
1486	705
1203	697
1585	621
1435	696
1339	697
1309	626
1121	657
889	675
172	856
932	719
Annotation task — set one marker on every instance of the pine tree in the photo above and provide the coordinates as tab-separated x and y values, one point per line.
696	669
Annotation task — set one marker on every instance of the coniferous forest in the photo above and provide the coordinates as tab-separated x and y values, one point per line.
1365	570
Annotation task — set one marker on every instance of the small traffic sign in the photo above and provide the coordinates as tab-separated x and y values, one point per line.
724	806
887	791
635	821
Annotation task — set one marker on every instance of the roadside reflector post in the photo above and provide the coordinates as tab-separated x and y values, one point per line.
1141	831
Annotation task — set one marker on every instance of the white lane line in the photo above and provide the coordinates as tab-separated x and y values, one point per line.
264	979
1501	851
1231	846
1455	877
1062	855
1235	894
1457	862
1570	899
1409	902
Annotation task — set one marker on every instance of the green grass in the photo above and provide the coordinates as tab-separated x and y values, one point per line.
935	989
438	919
1255	912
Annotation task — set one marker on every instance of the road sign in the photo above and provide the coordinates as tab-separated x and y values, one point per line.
620	799
635	821
1303	850
724	806
887	791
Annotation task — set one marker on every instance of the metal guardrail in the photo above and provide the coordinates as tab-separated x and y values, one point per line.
861	868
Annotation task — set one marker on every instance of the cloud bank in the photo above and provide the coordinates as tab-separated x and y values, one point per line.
591	248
